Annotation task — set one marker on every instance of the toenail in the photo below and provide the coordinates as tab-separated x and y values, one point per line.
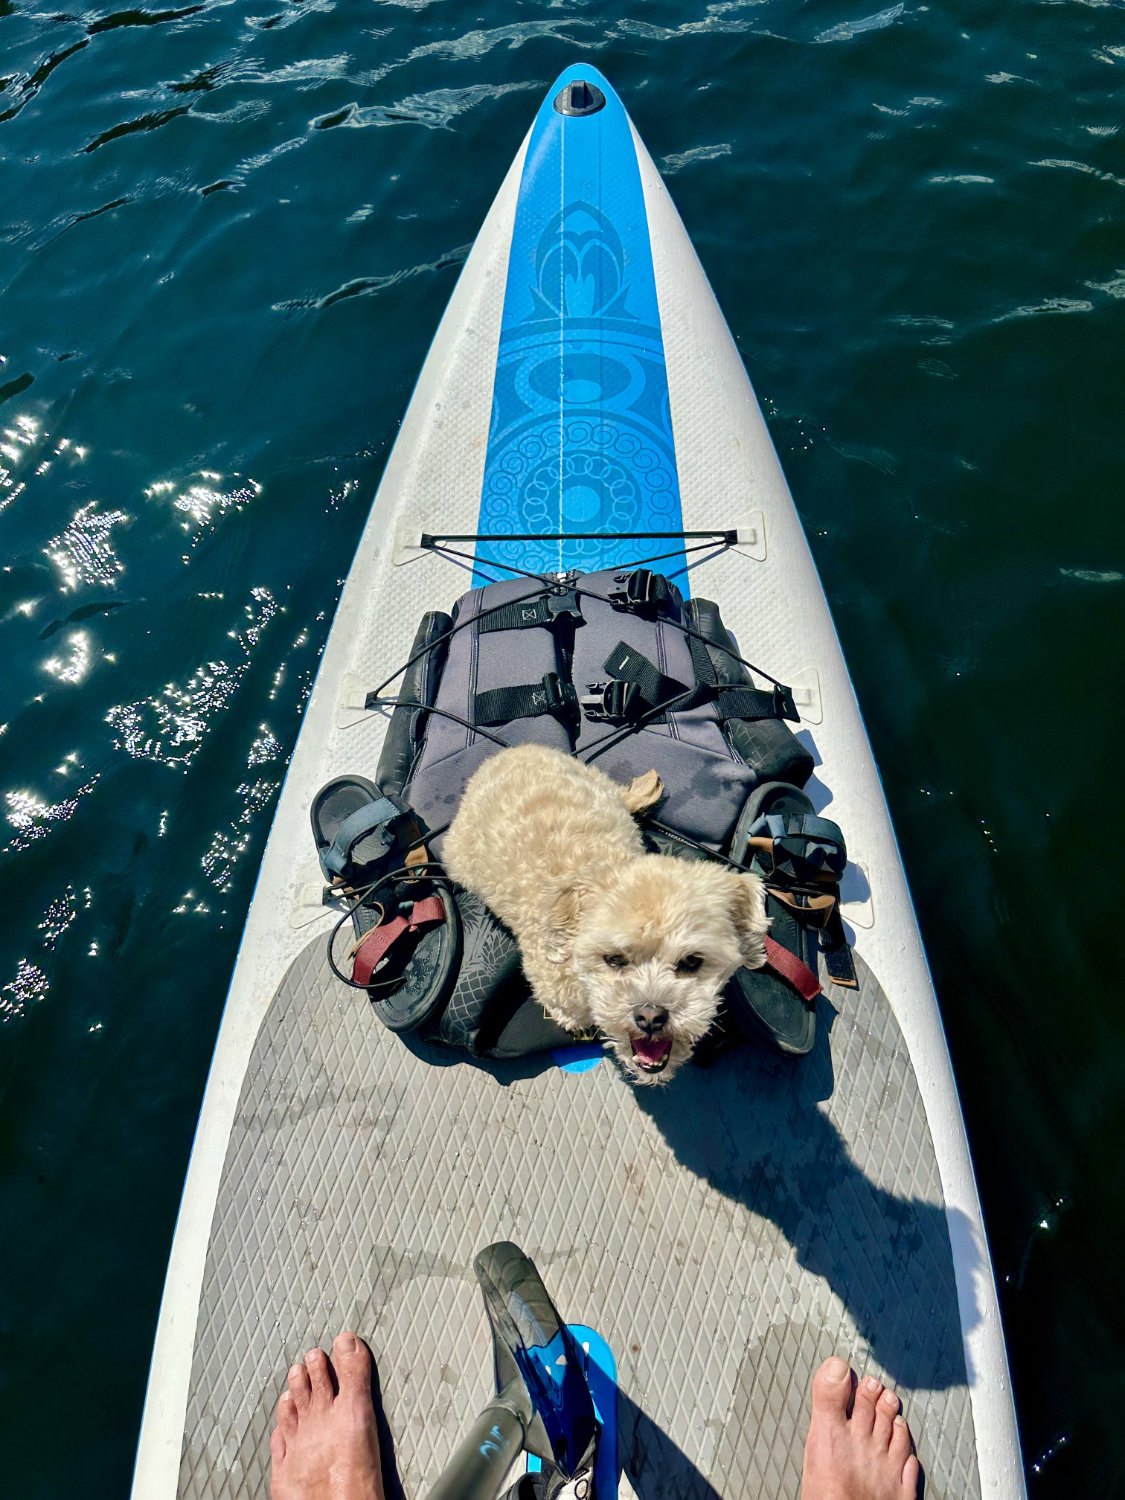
871	1384
900	1421
836	1369
294	1371
347	1343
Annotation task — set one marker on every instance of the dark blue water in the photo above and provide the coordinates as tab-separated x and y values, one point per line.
227	232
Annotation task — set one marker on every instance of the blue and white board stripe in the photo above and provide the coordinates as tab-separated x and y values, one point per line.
581	430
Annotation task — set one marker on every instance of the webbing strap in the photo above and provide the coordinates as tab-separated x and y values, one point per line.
801	848
790	968
526	701
527	612
702	665
379	941
837	955
781	825
627	664
336	859
733	702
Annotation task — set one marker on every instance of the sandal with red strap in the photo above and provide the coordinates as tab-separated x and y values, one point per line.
800	856
407	929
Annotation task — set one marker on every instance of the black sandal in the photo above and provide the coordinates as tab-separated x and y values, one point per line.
800	856
407	928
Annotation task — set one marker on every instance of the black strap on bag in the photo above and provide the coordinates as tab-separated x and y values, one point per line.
635	688
527	701
548	609
755	703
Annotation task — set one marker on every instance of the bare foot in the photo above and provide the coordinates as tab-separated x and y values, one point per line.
865	1456
326	1444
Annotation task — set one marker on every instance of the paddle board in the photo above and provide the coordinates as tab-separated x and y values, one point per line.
723	1234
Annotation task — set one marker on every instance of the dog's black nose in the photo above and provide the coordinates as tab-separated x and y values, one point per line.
650	1019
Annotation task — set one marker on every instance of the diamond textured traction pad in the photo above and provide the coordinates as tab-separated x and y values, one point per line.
724	1233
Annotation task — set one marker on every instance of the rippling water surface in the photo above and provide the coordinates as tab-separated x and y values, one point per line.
227	231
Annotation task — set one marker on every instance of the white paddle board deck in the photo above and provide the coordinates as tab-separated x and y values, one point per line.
723	1234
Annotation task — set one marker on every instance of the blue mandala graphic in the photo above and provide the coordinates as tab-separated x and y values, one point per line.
580	436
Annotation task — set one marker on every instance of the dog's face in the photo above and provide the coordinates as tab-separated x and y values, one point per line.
652	951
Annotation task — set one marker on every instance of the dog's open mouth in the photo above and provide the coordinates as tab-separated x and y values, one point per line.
651	1053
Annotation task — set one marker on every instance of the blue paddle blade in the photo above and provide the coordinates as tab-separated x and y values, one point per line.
600	1370
531	1341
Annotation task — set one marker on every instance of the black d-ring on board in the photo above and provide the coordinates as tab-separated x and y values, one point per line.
579	98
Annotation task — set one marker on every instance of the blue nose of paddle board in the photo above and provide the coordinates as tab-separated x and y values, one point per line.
580	441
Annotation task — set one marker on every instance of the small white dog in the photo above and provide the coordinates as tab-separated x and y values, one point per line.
636	945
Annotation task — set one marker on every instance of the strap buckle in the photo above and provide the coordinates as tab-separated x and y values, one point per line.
642	592
612	702
559	697
564	606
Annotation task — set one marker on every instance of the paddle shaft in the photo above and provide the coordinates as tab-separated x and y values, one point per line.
477	1469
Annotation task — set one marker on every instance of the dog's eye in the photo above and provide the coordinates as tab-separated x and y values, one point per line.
616	960
690	964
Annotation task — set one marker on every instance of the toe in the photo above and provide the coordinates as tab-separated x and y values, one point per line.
320	1377
277	1446
863	1413
286	1415
887	1409
300	1388
901	1445
911	1473
351	1360
832	1390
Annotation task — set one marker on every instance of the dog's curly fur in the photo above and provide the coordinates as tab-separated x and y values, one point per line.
636	945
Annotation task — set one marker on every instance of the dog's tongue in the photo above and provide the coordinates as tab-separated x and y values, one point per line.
651	1050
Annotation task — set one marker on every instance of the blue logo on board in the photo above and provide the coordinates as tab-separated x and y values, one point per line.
581	432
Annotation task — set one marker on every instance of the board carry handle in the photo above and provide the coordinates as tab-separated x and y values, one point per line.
542	1401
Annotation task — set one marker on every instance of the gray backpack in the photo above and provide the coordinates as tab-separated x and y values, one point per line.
610	666
615	668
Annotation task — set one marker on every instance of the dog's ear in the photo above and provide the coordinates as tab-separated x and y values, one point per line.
642	793
748	913
562	923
